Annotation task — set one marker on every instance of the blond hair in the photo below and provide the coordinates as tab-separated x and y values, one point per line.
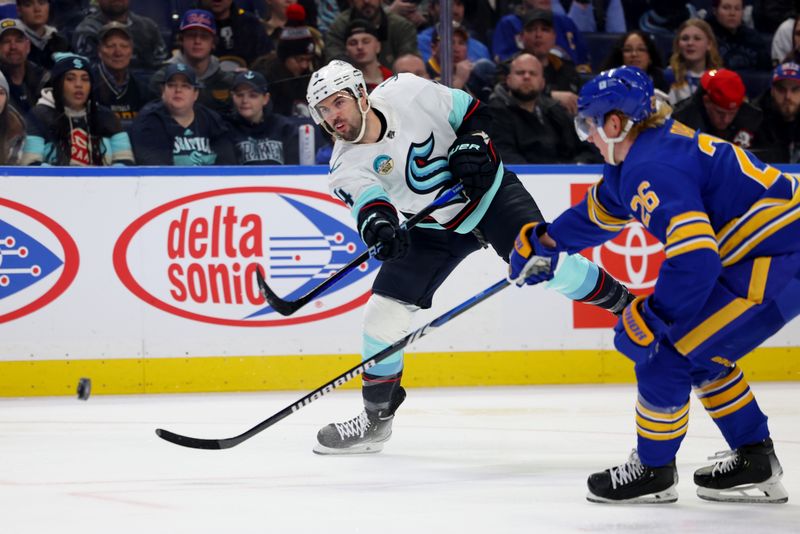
676	60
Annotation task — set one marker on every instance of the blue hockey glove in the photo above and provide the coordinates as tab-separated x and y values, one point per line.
473	159
379	227
530	261
637	330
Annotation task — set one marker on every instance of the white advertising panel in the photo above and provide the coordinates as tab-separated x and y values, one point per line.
126	264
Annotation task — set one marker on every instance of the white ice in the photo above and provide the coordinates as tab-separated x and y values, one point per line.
462	460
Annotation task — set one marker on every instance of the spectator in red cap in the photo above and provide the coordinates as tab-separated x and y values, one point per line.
780	130
718	107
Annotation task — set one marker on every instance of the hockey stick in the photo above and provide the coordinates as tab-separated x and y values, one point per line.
288	307
227	443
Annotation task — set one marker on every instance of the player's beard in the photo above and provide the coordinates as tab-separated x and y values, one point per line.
351	132
524	96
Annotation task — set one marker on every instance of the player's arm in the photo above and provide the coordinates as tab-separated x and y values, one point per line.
600	216
472	157
376	218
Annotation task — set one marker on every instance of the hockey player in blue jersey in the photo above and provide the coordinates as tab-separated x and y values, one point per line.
395	150
731	233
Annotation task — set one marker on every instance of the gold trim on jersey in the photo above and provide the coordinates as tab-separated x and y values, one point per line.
599	215
764	218
661	426
689	231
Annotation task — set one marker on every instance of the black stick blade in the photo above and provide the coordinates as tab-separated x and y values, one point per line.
278	304
193	443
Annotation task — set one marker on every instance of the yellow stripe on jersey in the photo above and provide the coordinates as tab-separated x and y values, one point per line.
715	401
736	406
661	426
758	280
689	246
712	325
722	383
686	218
661	416
599	215
679	128
762	220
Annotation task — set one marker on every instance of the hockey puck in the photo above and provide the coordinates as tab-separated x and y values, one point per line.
84	388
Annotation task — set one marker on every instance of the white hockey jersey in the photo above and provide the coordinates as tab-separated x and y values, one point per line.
408	166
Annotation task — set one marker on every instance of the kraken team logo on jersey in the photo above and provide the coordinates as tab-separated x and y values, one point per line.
423	172
38	260
383	164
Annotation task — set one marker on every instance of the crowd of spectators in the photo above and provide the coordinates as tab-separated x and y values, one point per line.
222	82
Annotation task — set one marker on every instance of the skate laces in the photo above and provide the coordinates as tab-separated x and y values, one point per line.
724	461
627	472
356	426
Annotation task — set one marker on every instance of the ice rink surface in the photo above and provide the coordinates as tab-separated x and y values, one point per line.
488	460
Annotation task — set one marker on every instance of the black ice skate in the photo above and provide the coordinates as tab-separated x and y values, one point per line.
634	483
750	473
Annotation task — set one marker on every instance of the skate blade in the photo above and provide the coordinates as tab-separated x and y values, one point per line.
771	492
367	448
667	496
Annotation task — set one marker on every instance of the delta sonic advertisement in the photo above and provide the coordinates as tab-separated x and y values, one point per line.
38	260
203	251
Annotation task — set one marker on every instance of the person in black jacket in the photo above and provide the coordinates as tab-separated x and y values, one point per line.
116	87
178	130
718	107
780	130
241	37
259	136
24	77
741	47
529	127
45	39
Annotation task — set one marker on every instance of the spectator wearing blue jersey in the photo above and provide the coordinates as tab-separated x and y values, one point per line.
68	128
506	40
178	130
475	49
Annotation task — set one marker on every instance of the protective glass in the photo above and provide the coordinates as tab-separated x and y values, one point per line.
584	127
331	106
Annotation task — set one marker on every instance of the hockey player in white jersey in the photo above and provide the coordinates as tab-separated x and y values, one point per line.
396	150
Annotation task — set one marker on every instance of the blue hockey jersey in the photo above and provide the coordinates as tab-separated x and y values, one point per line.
712	204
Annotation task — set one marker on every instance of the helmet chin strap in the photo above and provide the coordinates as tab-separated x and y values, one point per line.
363	128
612	141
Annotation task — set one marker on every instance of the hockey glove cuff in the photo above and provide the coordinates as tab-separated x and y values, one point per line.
638	329
380	228
531	262
473	159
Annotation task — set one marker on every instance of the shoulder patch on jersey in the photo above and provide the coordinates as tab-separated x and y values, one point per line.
383	164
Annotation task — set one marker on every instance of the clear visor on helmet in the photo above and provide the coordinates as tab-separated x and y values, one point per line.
584	127
333	104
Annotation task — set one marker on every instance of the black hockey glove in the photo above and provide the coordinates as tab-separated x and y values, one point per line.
473	160
380	227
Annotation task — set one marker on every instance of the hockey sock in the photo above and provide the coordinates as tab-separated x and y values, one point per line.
582	280
731	404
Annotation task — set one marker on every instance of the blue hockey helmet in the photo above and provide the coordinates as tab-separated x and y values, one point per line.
625	89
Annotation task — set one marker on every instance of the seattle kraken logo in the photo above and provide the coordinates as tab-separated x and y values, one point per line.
423	173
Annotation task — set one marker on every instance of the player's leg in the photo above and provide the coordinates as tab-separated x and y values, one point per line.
662	416
401	288
750	471
577	278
